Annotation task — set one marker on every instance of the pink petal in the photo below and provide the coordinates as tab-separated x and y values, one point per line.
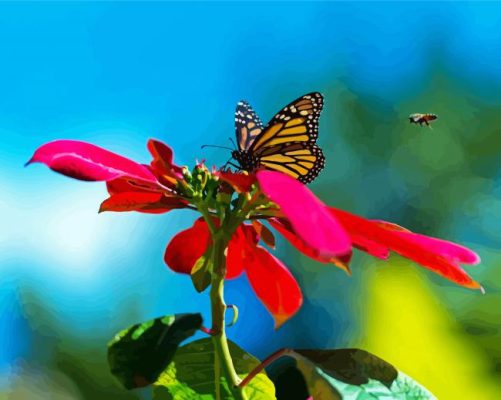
308	216
438	255
88	162
274	285
284	228
454	252
370	246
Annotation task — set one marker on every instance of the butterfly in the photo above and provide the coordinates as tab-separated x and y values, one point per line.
286	144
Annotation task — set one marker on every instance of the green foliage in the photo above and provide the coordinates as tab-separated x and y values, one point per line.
200	274
137	355
346	374
191	375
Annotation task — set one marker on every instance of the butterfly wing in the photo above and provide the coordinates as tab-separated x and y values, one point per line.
302	161
248	126
295	123
287	143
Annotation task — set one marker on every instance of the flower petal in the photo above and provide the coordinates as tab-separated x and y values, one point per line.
452	251
274	285
163	163
308	216
264	233
88	162
284	228
189	245
240	181
372	247
186	247
147	202
437	255
240	249
121	185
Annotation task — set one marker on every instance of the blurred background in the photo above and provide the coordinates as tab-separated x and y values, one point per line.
116	74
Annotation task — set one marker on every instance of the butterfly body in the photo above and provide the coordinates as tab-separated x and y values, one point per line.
286	144
246	159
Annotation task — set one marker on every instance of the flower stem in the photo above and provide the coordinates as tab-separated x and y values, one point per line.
275	356
219	340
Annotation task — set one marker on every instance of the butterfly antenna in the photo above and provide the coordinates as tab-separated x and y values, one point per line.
216	146
226	163
233	143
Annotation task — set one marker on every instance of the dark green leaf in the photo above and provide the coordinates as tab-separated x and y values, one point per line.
191	375
288	380
352	366
200	273
346	374
137	355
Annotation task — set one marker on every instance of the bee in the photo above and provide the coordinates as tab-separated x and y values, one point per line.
422	119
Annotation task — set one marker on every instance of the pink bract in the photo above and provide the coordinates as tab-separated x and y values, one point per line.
308	216
88	162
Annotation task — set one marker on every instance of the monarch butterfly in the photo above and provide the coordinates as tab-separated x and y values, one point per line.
286	144
422	119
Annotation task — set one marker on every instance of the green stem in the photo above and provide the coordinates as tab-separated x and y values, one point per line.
275	356
222	351
217	376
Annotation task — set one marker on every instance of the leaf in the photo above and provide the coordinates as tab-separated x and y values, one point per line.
191	375
348	374
200	274
139	354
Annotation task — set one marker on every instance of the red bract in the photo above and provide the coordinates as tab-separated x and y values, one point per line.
322	233
440	256
377	238
87	162
187	247
307	215
240	182
163	163
272	282
132	186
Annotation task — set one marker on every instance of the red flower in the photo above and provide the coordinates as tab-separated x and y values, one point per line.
272	282
322	233
132	186
377	238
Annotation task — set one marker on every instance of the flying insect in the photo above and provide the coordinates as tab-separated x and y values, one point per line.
422	119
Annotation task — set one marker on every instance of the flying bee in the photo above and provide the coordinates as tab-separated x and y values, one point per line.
422	119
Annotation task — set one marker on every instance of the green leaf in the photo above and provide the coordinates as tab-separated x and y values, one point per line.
191	375
139	354
200	273
348	374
